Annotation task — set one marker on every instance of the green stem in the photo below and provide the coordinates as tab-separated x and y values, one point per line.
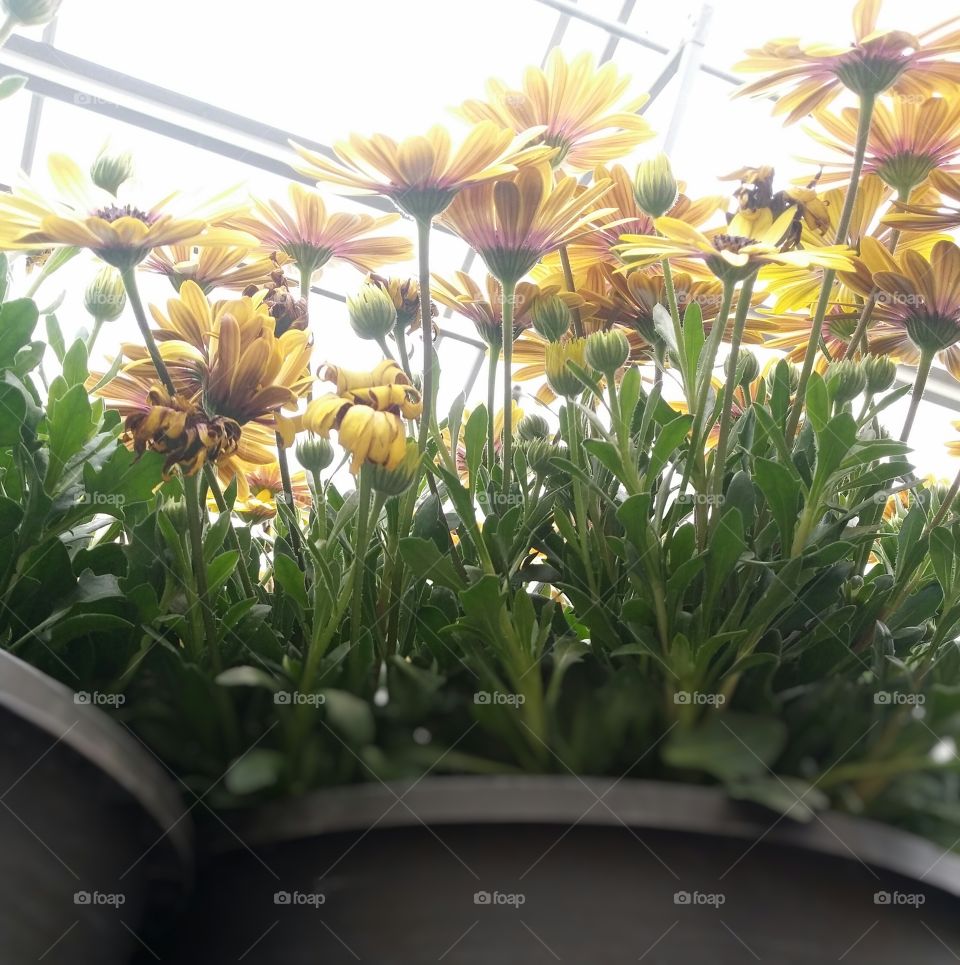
571	287
509	291
861	329
360	555
945	505
94	334
426	328
191	491
923	371
863	132
491	405
293	529
213	484
129	276
740	321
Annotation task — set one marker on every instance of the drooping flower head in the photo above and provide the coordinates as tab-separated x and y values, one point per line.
810	76
367	411
422	175
580	107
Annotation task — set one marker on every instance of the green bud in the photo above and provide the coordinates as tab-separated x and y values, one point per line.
655	187
560	377
845	381
748	368
176	511
109	171
551	317
393	482
105	298
31	13
314	453
372	313
538	453
532	427
880	372
607	351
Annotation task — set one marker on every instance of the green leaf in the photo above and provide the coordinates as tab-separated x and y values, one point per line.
75	370
474	440
350	716
607	454
18	319
730	746
669	440
781	490
55	338
221	569
70	424
248	677
253	771
13	411
693	340
428	563
943	556
10	516
630	387
817	402
291	579
11	84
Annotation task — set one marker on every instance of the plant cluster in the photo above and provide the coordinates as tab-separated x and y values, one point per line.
677	561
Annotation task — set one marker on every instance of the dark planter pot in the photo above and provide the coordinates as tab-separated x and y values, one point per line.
470	871
95	842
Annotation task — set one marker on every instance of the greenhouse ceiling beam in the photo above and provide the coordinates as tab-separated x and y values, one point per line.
73	80
619	30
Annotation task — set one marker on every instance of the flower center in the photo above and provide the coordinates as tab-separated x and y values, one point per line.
871	71
114	212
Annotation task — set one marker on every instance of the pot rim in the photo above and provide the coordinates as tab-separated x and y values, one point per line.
50	706
591	801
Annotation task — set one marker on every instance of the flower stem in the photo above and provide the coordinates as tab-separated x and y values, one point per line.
426	328
360	555
945	505
492	359
923	371
571	287
191	490
129	276
94	334
740	321
213	484
861	329
509	293
863	132
700	390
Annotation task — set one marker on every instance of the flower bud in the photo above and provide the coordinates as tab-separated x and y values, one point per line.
538	453
314	453
372	313
176	511
404	294
880	372
748	368
607	351
393	482
560	377
655	187
105	298
532	427
845	381
550	317
31	13
109	171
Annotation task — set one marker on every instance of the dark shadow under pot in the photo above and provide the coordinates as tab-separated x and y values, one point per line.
471	871
95	842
